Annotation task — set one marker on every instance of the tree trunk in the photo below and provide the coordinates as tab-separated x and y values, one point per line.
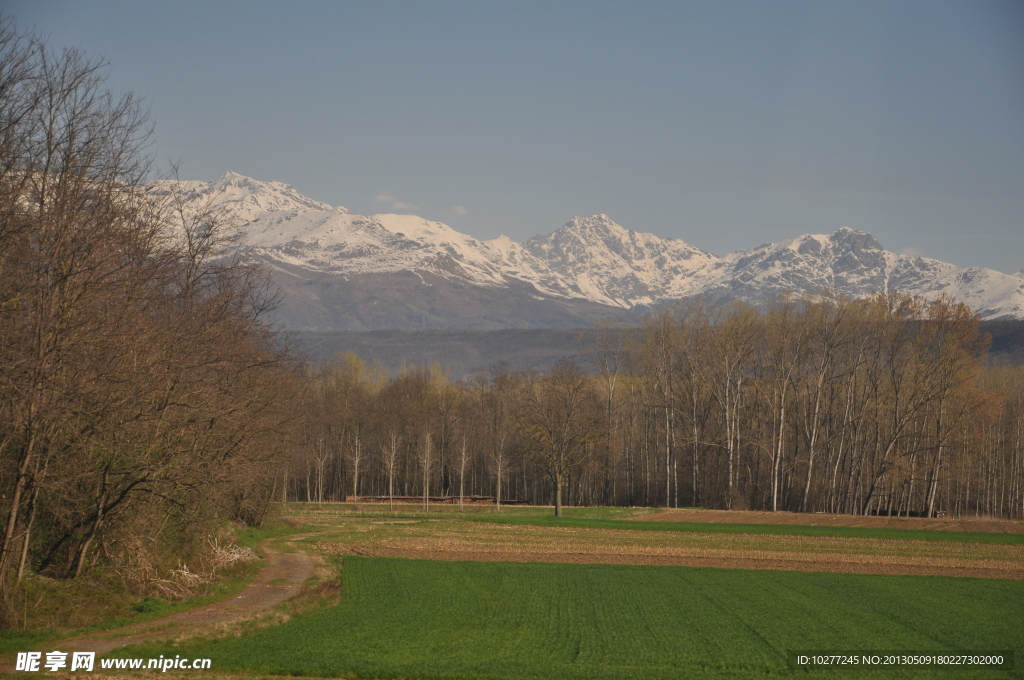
355	471
777	462
497	497
20	483
558	495
462	476
426	475
28	533
101	503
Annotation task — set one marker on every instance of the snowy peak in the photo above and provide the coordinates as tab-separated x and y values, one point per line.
590	258
608	263
854	239
854	263
571	243
847	260
253	198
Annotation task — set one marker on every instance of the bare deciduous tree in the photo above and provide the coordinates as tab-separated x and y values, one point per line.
562	419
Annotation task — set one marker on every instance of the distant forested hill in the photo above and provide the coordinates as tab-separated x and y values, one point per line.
463	351
526	348
1007	340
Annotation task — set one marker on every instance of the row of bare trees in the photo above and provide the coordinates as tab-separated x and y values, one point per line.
811	405
421	434
141	397
870	406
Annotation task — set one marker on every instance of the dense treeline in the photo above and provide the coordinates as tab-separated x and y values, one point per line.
872	406
141	398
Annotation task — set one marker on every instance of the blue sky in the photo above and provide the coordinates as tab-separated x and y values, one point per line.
726	124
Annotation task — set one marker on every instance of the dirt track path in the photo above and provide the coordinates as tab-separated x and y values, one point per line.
280	580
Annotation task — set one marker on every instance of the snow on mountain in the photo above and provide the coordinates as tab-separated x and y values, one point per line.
292	231
589	258
848	260
854	263
595	258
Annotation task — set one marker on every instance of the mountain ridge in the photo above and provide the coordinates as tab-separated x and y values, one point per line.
326	257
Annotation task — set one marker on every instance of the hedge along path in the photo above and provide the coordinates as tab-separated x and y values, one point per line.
479	541
281	579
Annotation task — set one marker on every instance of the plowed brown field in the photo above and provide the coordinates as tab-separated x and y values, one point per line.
444	540
1007	526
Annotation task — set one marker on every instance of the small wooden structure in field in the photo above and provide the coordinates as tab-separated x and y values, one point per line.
439	500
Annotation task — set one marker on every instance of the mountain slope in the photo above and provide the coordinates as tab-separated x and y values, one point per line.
343	271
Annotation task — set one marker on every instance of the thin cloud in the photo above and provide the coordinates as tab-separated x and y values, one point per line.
912	252
460	210
388	197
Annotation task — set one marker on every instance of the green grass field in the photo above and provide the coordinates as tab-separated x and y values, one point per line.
423	619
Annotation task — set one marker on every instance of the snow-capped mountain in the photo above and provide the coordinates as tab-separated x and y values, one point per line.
854	263
341	271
